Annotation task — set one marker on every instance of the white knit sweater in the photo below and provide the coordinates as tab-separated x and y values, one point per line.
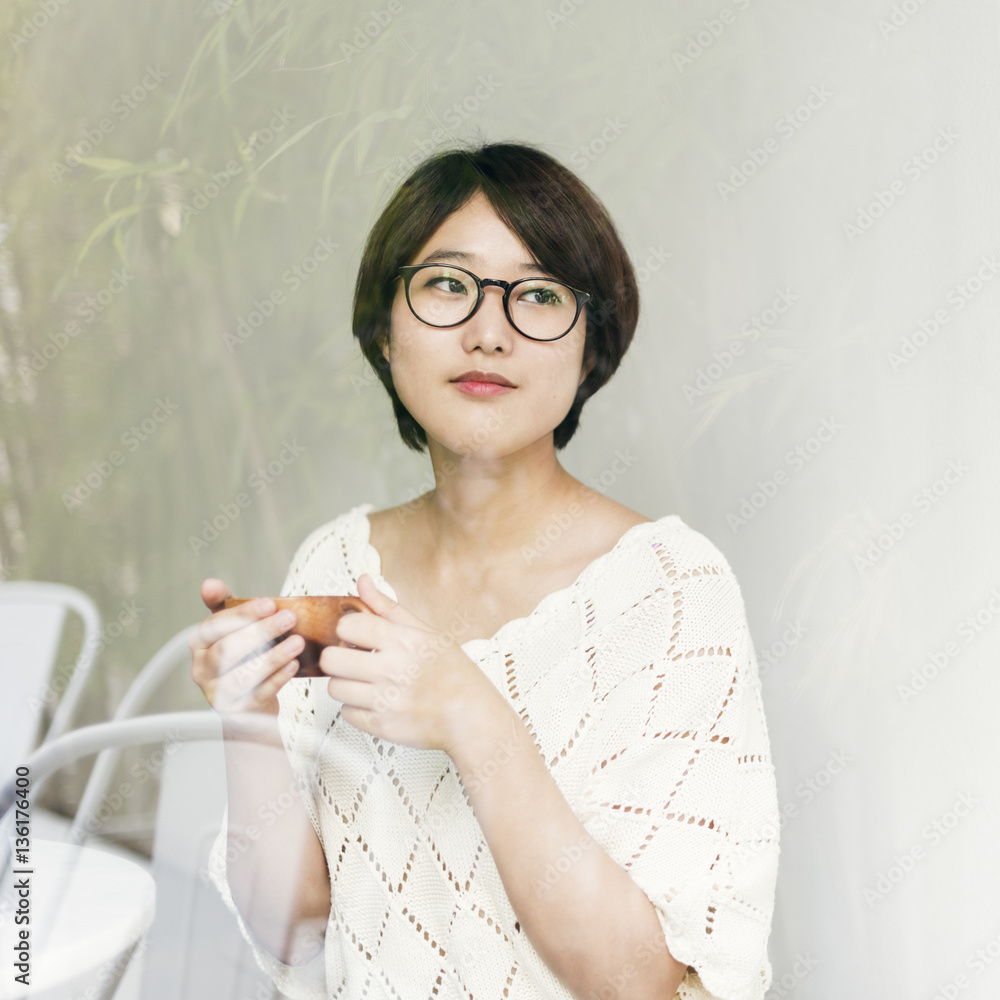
639	685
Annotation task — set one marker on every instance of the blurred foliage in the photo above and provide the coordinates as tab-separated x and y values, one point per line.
164	168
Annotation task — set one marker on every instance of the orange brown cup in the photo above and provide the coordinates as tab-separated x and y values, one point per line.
316	621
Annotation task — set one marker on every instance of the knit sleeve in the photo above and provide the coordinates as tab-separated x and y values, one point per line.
300	730
299	982
681	791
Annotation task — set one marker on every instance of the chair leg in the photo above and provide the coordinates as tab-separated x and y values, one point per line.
110	975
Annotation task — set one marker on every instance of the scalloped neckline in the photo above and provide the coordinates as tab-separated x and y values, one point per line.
373	558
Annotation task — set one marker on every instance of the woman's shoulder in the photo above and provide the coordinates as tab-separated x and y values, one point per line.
670	545
621	522
330	549
350	522
611	550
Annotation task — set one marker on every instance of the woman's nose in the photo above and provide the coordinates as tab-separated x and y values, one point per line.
489	328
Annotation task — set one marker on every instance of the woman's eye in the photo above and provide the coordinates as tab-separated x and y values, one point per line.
450	285
542	297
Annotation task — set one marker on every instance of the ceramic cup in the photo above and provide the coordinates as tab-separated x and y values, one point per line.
316	621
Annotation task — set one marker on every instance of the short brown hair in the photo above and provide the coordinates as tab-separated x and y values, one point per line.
550	210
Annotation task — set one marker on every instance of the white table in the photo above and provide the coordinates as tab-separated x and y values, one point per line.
88	910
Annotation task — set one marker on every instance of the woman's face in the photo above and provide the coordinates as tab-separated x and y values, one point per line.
426	361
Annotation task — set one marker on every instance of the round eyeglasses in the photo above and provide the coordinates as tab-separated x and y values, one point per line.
538	308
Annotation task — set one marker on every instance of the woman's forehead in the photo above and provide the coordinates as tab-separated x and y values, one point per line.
474	234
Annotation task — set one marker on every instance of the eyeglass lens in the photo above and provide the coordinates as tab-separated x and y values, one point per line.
540	308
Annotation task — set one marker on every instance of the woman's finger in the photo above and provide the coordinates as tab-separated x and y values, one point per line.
214	593
365	630
253	641
354	664
360	694
248	674
270	686
222	623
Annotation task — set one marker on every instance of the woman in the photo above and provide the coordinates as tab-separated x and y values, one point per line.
544	771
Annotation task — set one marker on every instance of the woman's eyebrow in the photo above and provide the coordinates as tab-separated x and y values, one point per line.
461	257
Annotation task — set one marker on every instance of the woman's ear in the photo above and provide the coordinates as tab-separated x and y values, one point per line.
589	361
384	347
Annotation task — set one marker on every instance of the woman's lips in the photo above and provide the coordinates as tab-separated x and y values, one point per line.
482	388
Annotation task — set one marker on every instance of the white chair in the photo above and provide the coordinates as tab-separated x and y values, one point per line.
57	753
174	653
32	619
193	949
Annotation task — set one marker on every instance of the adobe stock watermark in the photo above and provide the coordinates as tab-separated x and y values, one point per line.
789	981
128	615
470	105
461	955
562	13
267	814
923	501
655	259
937	660
813	786
563	520
102	469
642	955
913	169
898	18
429	651
417	494
144	769
586	154
34	23
706	377
258	480
977	962
175	215
265	990
763	321
293	278
757	156
506	750
111	971
260	138
363	381
92	306
699	41
934	834
370	30
796	458
92	137
806	791
771	655
957	297
596	829
307	934
453	117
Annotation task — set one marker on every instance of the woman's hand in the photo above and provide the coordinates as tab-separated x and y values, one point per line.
408	684
222	647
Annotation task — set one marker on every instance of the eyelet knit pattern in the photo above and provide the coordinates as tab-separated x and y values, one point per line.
639	685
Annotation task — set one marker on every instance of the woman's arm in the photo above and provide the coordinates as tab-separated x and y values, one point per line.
593	926
584	915
275	864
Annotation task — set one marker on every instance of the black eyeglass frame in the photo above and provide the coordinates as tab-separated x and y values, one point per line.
407	271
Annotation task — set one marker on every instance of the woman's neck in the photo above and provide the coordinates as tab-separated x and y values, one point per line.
488	506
